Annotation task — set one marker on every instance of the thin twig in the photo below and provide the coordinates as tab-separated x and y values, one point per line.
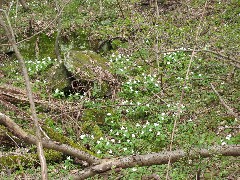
39	32
178	117
230	111
10	34
59	28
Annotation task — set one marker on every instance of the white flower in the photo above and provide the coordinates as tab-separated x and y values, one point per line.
147	105
68	158
122	128
150	130
156	124
134	169
142	132
147	123
138	125
113	140
110	151
128	140
101	138
109	114
107	143
168	62
223	143
163	114
98	152
228	137
200	75
124	149
158	133
98	142
117	133
133	135
82	136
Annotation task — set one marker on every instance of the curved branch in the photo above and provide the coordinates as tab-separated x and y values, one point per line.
30	139
24	5
157	159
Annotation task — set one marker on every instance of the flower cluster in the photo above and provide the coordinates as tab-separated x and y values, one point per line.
129	138
37	66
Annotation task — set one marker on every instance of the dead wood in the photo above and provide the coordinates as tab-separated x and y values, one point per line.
157	159
229	110
49	144
105	165
16	95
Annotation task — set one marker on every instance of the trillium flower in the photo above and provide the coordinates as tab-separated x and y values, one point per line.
228	137
134	169
122	128
82	136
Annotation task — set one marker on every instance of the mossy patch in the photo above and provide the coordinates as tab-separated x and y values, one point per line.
59	77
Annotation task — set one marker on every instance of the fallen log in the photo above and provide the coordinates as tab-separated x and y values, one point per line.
49	144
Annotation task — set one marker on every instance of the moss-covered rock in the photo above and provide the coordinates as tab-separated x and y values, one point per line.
59	78
91	71
28	159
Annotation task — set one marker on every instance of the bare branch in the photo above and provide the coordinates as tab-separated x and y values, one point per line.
230	111
46	27
59	28
183	92
30	139
157	159
10	34
24	5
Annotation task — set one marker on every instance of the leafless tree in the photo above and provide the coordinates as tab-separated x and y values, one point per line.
10	35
